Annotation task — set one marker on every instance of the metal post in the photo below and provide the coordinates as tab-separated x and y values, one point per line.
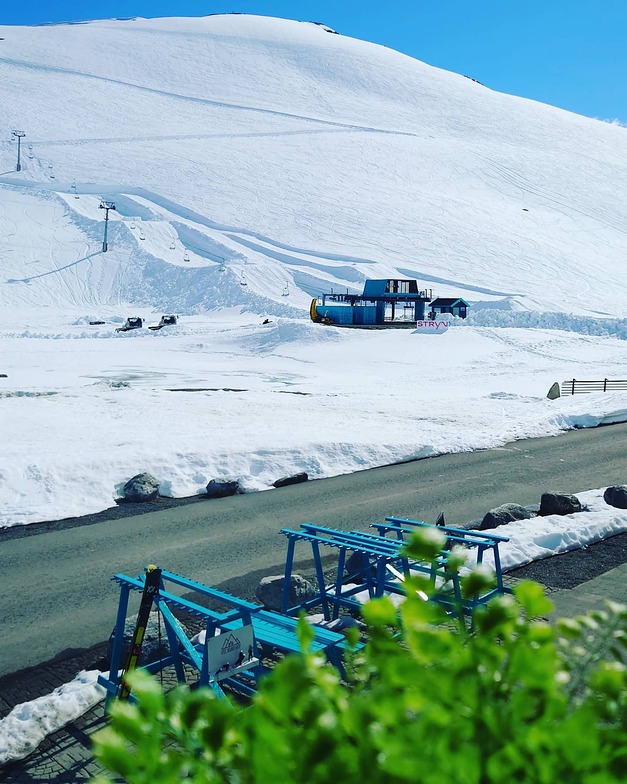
339	580
105	245
320	575
287	577
20	135
118	641
106	206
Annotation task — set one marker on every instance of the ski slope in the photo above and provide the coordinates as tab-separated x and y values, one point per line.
254	163
322	158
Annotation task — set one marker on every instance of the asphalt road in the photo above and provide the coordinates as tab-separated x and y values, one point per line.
55	588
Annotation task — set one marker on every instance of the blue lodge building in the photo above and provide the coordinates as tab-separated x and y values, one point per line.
383	303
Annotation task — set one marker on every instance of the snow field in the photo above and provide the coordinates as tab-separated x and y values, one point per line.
82	414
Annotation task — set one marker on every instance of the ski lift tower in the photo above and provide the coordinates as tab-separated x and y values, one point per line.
106	206
19	135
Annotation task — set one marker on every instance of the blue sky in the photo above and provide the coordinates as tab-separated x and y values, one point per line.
569	53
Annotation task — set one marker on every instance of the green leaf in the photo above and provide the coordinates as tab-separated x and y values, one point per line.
570	628
531	596
610	679
306	634
425	544
478	582
425	700
113	751
380	612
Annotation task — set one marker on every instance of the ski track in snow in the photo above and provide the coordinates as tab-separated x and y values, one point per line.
204	101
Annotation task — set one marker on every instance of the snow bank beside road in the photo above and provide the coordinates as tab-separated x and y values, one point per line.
542	537
30	722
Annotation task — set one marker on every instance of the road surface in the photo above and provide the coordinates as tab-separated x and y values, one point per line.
56	589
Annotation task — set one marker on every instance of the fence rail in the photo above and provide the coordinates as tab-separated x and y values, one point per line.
576	386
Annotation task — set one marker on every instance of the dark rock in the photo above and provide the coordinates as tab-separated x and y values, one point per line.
554	392
501	515
356	566
3	375
558	504
142	487
222	488
291	480
155	645
270	591
616	496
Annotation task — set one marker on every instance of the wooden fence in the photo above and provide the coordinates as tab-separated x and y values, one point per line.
577	387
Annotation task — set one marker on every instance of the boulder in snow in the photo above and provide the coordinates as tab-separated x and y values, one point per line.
270	591
155	645
616	495
222	488
142	487
501	515
291	480
558	504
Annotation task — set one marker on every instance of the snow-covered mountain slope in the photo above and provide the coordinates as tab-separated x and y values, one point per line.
258	162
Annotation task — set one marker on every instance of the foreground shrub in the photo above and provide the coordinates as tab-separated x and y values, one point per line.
515	700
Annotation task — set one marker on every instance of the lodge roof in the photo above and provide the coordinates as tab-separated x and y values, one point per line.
448	302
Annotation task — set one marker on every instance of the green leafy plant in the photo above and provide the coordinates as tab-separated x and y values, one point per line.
426	700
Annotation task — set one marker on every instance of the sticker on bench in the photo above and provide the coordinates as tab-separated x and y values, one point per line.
231	652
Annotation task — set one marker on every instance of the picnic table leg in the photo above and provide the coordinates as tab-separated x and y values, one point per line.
320	575
289	559
339	580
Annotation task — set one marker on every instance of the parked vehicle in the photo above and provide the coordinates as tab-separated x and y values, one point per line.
166	321
132	322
